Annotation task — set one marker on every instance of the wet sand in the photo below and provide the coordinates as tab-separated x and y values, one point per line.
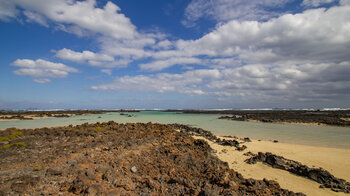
336	161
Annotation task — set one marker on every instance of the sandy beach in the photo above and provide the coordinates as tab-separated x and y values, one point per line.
336	161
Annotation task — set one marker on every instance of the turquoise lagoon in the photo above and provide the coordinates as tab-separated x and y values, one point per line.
327	136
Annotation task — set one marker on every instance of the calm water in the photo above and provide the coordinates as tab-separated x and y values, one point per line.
328	136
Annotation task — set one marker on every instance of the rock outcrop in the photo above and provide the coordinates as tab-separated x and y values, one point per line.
119	159
232	141
326	179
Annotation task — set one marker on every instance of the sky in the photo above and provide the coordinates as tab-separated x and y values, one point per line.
174	54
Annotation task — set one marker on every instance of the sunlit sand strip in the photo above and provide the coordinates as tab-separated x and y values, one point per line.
33	117
336	161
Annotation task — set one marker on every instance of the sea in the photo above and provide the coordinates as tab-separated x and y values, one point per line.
325	136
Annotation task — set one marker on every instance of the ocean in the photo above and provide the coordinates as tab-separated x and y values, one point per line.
326	136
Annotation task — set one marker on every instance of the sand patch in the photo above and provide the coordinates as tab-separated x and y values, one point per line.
336	161
31	117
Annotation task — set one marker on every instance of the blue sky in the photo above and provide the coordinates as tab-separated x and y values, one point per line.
91	54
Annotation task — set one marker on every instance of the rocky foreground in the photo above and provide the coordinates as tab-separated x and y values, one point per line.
117	159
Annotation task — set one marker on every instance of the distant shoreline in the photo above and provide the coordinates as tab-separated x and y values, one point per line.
31	115
340	118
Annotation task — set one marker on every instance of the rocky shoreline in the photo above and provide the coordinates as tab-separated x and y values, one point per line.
232	141
30	115
119	159
333	118
324	177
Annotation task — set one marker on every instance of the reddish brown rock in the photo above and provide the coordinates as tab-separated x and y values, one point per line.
128	159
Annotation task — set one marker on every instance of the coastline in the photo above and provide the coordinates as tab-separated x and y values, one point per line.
318	117
291	123
232	150
335	160
118	159
32	115
295	117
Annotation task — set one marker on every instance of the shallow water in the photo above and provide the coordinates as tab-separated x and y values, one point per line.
327	136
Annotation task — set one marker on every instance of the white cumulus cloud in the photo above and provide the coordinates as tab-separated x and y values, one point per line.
41	70
85	56
316	35
83	14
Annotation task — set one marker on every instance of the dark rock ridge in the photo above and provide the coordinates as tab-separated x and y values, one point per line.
119	159
334	118
211	137
316	174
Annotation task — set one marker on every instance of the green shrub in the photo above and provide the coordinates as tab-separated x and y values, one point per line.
4	139
38	168
15	134
6	146
17	145
12	136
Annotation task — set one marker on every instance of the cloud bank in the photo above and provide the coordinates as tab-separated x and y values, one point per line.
256	51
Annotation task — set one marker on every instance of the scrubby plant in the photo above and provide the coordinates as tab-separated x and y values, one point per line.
17	145
4	139
38	168
16	134
98	128
6	146
12	136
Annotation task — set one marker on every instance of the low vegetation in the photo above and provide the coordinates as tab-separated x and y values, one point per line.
17	145
16	134
13	136
4	139
38	168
